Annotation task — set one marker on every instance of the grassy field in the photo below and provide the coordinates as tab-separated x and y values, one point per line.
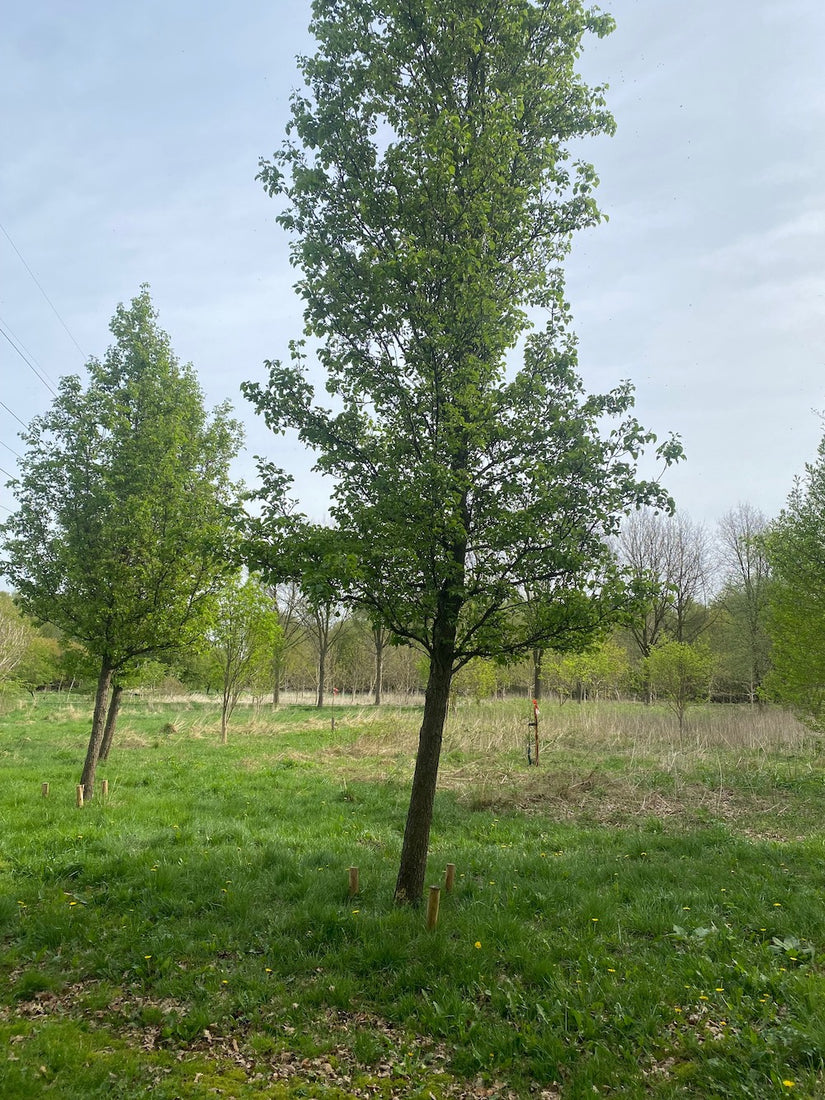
636	917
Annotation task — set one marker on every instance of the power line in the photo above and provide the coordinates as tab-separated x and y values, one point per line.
6	472
42	291
8	448
22	423
28	362
30	354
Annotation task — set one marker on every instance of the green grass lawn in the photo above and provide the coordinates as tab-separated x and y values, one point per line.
633	918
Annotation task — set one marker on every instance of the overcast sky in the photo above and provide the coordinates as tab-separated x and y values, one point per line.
131	135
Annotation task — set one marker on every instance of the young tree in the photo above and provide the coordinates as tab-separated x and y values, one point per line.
680	674
120	536
243	636
431	196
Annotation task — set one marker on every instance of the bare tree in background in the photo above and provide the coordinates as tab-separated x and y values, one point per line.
675	555
744	594
286	599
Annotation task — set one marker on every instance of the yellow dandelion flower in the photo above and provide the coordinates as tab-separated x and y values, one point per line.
789	1084
477	943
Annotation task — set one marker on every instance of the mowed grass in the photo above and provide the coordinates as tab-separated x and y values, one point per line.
635	917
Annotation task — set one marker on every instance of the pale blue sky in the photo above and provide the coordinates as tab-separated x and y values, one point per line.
131	134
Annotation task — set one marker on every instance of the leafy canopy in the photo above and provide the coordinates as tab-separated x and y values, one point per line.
431	195
120	534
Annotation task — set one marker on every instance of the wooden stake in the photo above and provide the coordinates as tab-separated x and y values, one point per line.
104	789
353	881
80	794
432	907
449	877
44	789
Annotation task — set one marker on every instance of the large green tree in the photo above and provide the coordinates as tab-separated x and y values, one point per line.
795	548
124	502
430	192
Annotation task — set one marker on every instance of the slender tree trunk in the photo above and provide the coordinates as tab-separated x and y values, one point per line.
378	635
226	710
98	728
538	657
111	721
409	886
322	672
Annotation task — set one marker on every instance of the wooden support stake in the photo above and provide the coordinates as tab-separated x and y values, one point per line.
449	877
80	794
353	881
104	789
44	789
432	907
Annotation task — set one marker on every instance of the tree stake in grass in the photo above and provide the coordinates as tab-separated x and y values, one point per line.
79	795
449	877
44	789
533	739
353	881
432	907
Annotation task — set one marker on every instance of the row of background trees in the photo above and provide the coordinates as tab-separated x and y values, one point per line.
710	592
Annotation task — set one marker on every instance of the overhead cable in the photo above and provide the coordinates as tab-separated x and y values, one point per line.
42	291
28	362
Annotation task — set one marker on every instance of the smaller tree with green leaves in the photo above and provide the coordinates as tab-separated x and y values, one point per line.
244	636
125	508
681	675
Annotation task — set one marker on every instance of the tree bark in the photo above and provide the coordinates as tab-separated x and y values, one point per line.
322	672
378	635
409	887
104	683
538	657
111	721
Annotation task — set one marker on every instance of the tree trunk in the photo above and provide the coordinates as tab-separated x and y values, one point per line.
409	887
538	656
111	721
378	635
322	672
98	728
